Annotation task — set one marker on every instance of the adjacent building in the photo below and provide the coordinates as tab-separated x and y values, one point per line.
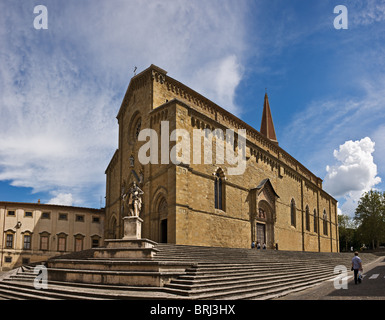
34	232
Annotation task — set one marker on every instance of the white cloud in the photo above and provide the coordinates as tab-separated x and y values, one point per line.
64	199
354	173
366	12
220	79
62	87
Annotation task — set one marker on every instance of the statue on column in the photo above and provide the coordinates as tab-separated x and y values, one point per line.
132	199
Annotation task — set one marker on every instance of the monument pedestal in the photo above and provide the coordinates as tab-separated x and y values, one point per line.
132	228
132	246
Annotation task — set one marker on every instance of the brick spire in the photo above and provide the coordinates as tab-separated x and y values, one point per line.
267	126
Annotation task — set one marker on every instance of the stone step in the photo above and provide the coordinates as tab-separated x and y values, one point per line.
224	283
81	291
254	266
258	288
192	280
27	291
191	272
272	291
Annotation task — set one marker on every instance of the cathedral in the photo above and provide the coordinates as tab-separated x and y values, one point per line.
208	178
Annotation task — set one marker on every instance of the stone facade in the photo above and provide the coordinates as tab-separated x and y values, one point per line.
276	200
34	232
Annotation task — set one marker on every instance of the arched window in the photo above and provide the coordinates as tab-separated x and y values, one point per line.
137	127
325	223
315	221
219	190
292	213
134	127
307	218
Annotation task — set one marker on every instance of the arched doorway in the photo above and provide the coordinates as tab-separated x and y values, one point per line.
163	223
262	213
264	224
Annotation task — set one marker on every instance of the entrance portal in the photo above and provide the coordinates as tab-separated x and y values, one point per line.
261	233
163	231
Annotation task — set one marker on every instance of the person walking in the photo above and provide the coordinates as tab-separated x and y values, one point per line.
356	266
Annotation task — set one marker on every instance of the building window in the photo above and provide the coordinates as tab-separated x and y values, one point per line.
95	240
325	223
95	219
8	259
79	242
315	221
27	241
62	242
138	126
44	241
25	261
219	190
11	213
9	240
46	215
307	218
79	218
28	214
292	213
63	216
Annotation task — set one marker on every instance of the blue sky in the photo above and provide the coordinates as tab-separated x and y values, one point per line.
62	87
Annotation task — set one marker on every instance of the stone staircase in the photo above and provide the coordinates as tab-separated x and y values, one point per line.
224	273
210	273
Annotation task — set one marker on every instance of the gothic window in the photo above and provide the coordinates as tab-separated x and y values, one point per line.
134	128
307	218
315	221
292	213
137	127
325	223
219	190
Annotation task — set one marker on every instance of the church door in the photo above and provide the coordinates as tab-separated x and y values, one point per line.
163	231
261	233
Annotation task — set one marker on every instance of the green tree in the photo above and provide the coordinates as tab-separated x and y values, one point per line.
347	232
370	217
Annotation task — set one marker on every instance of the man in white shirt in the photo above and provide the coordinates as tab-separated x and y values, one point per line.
356	266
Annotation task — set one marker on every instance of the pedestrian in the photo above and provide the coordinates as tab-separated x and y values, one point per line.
258	245
264	246
356	266
252	245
